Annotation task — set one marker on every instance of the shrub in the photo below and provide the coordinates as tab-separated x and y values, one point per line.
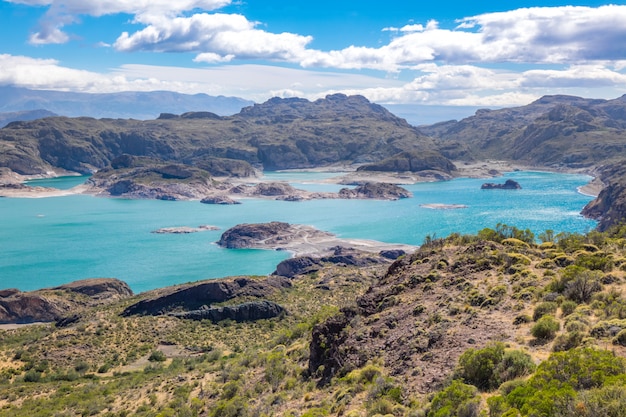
620	339
583	286
545	328
546	307
455	400
568	307
157	356
478	366
568	341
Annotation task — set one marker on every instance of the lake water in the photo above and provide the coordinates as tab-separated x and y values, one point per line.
51	241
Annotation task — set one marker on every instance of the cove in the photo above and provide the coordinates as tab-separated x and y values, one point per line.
51	241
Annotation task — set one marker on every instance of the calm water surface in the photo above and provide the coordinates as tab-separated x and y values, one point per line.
51	241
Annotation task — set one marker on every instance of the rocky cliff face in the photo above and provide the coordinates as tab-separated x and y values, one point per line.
200	296
609	208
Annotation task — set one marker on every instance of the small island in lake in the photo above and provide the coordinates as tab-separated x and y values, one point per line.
508	185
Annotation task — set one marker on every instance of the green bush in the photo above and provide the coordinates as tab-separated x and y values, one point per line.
568	307
487	368
620	338
546	307
567	341
545	328
457	399
157	356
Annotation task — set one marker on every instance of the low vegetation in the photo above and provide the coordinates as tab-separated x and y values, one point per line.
493	324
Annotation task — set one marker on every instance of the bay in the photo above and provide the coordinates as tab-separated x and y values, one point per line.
51	241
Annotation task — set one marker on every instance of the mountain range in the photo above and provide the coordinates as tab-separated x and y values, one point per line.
133	105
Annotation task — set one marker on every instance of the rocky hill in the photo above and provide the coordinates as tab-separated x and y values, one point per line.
278	134
554	131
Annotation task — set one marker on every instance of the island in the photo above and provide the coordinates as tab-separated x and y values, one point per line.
508	185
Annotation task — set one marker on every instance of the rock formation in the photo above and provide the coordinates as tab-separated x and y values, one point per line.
375	190
53	304
193	297
508	185
250	311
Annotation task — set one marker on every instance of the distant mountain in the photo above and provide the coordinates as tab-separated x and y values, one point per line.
278	134
125	105
554	131
6	118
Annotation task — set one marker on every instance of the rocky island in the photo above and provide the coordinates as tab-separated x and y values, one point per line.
299	239
508	185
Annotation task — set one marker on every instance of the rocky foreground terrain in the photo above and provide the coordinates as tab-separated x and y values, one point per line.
500	323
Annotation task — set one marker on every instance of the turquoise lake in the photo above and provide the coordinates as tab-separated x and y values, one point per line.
51	241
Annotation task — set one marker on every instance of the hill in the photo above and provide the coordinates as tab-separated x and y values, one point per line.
554	131
278	134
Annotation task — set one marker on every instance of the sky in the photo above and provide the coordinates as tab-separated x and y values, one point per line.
436	53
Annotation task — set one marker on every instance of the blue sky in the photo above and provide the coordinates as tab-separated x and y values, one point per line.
440	53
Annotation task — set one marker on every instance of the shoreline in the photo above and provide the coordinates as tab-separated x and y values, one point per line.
14	185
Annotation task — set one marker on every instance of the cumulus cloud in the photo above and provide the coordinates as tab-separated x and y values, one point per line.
221	37
540	35
63	12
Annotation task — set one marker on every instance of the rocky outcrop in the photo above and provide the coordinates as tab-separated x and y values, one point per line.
412	161
53	304
338	255
609	208
99	288
508	185
220	200
155	181
251	311
266	235
376	190
195	296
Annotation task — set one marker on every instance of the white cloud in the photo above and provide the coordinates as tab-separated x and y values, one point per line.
105	7
60	13
581	76
218	37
